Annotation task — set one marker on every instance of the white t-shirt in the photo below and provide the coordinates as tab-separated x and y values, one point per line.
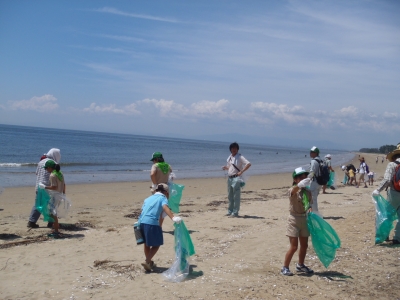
239	161
363	168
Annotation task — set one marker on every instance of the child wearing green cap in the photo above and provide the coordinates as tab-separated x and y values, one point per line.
57	184
300	203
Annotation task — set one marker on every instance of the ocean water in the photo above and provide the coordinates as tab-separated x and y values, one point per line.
92	157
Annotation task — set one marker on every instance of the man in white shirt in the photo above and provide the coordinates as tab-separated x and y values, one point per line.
236	165
362	170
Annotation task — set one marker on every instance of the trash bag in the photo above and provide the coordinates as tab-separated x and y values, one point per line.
184	248
52	203
175	195
332	182
384	218
63	207
345	179
324	238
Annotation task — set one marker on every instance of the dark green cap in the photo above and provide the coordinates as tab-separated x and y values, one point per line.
156	155
50	164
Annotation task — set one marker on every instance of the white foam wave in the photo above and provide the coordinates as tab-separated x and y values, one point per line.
10	165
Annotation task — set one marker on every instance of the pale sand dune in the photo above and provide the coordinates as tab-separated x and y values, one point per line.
235	257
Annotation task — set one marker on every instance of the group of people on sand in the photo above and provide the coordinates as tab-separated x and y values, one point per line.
303	198
363	171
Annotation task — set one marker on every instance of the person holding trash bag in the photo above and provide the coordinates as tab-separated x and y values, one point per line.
57	183
328	162
160	170
391	182
300	199
159	173
149	223
42	176
313	174
236	165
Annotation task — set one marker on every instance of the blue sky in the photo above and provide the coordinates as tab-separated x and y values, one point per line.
286	71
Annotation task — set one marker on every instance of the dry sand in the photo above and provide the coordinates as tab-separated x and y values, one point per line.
236	258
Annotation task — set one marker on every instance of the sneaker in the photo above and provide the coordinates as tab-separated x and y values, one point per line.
146	266
234	216
285	271
152	265
32	225
332	188
228	214
303	268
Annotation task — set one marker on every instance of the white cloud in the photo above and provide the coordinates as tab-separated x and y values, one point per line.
41	104
349	111
115	11
209	107
268	114
390	115
112	108
280	111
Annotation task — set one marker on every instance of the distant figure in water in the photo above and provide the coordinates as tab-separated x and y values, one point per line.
276	152
305	155
260	153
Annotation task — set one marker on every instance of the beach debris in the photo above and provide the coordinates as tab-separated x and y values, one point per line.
134	215
217	203
37	239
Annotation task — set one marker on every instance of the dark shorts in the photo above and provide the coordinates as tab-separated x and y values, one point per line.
152	235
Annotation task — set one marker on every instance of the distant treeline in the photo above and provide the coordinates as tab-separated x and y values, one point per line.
382	149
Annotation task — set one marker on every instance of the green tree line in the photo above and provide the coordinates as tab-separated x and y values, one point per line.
382	149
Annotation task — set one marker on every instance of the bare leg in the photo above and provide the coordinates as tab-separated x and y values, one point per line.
150	252
303	249
56	225
292	249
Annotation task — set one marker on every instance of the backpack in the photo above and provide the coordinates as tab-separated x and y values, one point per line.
323	177
396	177
366	168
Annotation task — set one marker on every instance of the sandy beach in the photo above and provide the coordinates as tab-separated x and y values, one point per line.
236	258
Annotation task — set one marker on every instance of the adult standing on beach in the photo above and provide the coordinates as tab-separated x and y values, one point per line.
362	170
393	194
314	172
42	176
159	173
328	163
160	170
236	165
149	223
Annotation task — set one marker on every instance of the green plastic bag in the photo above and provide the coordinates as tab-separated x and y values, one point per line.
331	181
175	195
42	202
324	238
385	216
184	248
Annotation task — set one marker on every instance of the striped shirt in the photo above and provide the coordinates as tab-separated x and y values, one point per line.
42	176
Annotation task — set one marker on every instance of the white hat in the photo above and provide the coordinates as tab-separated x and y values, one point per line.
328	156
343	168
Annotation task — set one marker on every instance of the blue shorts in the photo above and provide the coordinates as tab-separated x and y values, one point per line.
152	235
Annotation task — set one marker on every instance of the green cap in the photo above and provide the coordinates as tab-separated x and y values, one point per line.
299	171
314	149
156	155
50	164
